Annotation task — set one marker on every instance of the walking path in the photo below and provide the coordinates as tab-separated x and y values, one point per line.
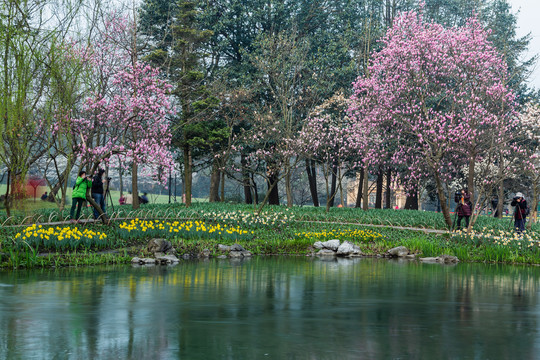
427	231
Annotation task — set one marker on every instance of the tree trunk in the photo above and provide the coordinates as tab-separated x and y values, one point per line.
333	185
246	180
187	175
365	197
271	186
7	203
411	202
288	189
215	178
255	190
359	192
311	171
388	199
470	179
330	198
340	185
120	177
104	218
222	184
534	206
247	191
378	194
273	196
134	186
442	198
59	185
500	195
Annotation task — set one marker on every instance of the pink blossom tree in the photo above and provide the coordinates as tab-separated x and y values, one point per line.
337	142
530	132
125	116
443	91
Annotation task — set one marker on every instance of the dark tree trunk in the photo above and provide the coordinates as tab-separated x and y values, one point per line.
134	186
388	189
273	199
222	186
333	185
312	179
255	190
411	203
246	181
500	205
7	202
360	190
247	192
215	178
378	194
188	174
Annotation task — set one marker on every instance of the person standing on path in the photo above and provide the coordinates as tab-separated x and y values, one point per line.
98	193
520	213
79	194
464	208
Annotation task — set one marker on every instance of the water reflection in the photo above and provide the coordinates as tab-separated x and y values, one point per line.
276	308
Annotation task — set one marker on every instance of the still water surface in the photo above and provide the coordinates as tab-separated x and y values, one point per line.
272	308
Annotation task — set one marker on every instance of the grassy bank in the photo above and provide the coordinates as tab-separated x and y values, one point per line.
278	230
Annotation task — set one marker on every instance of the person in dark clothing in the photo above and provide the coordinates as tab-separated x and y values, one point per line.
520	213
464	210
98	192
44	196
144	198
495	206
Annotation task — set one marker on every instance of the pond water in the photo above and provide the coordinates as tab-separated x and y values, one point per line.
272	308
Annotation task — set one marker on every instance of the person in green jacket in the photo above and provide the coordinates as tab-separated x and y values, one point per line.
79	194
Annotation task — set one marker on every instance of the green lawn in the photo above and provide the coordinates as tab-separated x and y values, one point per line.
31	205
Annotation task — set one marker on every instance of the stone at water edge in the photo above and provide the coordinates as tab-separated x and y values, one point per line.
205	253
331	244
237	247
135	260
348	249
223	247
236	254
159	246
448	259
167	259
318	245
147	261
443	259
399	251
326	252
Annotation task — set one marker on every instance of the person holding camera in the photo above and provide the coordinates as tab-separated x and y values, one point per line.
78	196
520	213
98	193
464	208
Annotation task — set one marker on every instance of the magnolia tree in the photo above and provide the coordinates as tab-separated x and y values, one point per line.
337	142
438	93
125	117
270	151
530	130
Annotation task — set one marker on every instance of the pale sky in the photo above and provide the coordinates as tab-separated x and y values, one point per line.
529	22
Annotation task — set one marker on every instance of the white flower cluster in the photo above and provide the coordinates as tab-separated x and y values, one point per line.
248	218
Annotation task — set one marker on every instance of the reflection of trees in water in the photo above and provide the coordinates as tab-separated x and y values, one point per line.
295	307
